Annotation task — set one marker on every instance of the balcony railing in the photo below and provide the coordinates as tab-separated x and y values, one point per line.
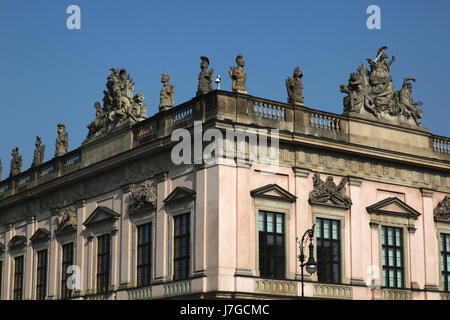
269	110
440	144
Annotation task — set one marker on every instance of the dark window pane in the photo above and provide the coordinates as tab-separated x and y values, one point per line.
18	278
182	246
144	265
103	262
271	244
392	255
328	250
67	260
41	273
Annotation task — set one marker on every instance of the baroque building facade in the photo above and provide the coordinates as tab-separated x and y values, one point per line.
116	218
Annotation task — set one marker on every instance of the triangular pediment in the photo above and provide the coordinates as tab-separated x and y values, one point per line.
393	206
17	241
101	214
40	235
273	192
179	194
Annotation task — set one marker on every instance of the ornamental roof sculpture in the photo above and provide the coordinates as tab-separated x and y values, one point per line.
442	210
62	141
16	163
120	107
238	75
66	220
327	193
294	88
39	152
371	94
205	77
167	93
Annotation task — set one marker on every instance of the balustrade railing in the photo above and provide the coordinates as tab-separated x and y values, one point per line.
441	144
324	121
269	110
182	116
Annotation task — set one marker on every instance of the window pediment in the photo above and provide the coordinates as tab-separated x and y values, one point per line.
393	206
101	214
40	235
17	242
179	194
273	192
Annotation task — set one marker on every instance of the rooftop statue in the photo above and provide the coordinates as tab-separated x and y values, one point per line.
1	169
16	163
167	93
205	77
62	141
120	107
38	158
371	94
294	88
238	76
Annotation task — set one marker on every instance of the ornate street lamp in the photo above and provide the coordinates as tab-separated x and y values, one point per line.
311	265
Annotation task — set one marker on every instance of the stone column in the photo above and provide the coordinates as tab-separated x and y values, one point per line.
358	247
125	241
161	230
29	261
53	260
7	272
200	222
79	247
90	267
115	259
431	248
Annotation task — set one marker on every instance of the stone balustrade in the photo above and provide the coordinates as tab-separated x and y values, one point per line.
268	110
140	293
177	288
441	144
333	291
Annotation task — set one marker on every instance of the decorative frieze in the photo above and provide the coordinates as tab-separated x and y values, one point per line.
332	291
177	288
142	293
276	287
395	294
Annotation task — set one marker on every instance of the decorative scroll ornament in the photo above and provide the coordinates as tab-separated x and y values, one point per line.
142	197
120	107
371	94
442	210
328	193
67	220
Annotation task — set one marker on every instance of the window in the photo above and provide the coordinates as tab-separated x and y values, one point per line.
103	263
328	250
67	260
182	246
144	254
41	273
1	273
445	261
271	245
18	278
392	257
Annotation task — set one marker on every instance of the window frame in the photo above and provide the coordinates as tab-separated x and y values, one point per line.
14	274
63	273
151	255
187	258
46	274
321	264
109	255
395	248
445	286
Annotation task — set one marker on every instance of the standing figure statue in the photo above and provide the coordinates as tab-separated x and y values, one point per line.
62	141
1	169
238	76
16	163
406	104
205	77
294	88
166	97
97	126
38	158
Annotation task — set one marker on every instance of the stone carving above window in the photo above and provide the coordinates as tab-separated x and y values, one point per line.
442	210
328	193
142	197
273	192
66	220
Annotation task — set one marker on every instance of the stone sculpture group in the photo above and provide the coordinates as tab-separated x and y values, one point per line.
370	94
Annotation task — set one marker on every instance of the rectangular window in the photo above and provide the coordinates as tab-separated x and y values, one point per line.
1	274
144	254
272	258
182	246
41	274
445	261
103	263
18	278
328	250
67	260
392	257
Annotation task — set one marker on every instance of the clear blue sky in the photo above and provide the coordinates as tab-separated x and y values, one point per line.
51	74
